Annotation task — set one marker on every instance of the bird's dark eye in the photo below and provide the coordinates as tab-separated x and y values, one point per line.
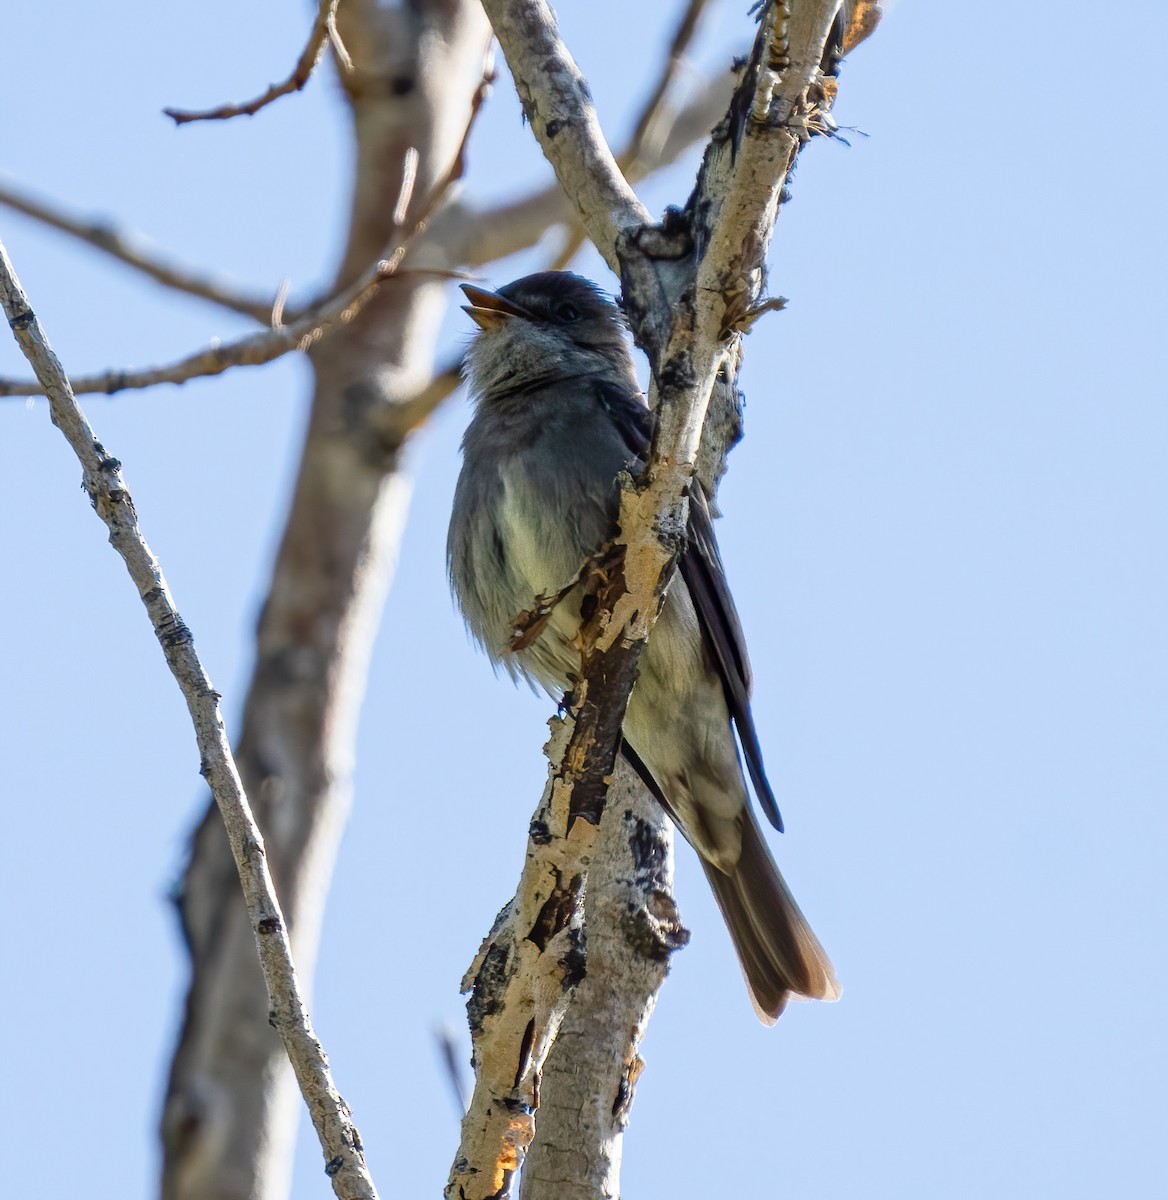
567	311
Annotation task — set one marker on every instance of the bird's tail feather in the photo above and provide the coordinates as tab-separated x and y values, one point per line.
779	954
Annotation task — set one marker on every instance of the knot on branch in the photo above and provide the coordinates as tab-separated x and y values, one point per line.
557	911
21	319
667	242
654	928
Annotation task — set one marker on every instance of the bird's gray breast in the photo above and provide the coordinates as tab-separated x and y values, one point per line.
529	510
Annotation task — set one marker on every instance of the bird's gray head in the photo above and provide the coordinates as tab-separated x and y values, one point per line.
543	329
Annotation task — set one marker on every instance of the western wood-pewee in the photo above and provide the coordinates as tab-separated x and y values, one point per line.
558	415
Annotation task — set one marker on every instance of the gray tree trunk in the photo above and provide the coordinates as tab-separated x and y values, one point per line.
231	1105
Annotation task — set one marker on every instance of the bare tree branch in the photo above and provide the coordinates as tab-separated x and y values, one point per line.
655	106
689	287
102	478
324	31
475	237
651	127
462	235
589	1078
302	333
556	101
251	351
229	1117
130	249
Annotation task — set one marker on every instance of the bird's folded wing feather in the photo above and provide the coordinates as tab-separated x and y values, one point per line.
705	577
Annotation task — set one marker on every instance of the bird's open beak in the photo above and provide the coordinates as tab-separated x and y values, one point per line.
489	310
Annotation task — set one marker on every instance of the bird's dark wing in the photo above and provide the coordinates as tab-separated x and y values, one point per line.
701	568
629	414
705	577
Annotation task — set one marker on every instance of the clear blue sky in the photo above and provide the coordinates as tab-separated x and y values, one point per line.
955	464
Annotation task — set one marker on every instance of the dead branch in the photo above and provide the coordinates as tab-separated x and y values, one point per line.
251	351
229	1115
324	31
132	250
645	131
302	333
103	481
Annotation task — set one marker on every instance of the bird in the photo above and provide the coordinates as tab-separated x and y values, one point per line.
558	415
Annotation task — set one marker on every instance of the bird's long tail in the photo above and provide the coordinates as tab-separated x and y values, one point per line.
780	956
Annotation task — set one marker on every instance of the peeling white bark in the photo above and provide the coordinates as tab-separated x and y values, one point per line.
592	1070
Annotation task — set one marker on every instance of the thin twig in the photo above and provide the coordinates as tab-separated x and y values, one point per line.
130	249
102	477
655	107
323	32
476	237
584	164
406	192
299	334
251	351
455	1072
395	421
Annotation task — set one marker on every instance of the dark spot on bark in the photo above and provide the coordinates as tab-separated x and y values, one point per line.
654	929
588	607
554	127
22	320
525	1051
575	961
268	925
484	999
624	1097
539	832
624	1093
334	1165
648	849
402	85
556	912
677	375
675	221
174	632
273	1018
